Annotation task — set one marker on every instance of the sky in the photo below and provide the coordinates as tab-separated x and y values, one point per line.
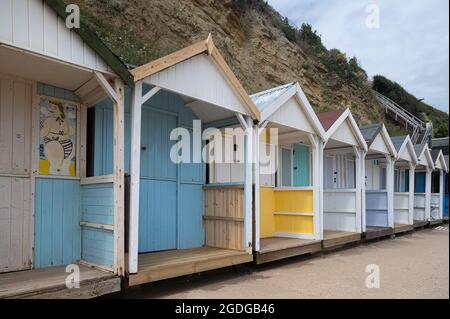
405	40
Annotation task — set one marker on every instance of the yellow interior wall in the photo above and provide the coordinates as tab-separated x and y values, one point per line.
294	224
267	206
295	201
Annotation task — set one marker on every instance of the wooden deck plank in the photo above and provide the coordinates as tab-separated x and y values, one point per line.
400	228
420	223
277	248
378	232
171	264
334	239
50	282
436	222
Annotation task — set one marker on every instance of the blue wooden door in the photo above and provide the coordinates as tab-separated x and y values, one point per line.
301	165
158	192
420	182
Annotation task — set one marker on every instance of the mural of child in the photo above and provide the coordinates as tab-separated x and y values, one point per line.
58	138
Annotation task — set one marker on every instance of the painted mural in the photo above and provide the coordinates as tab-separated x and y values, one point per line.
57	142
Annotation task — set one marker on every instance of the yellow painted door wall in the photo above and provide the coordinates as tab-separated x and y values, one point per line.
285	201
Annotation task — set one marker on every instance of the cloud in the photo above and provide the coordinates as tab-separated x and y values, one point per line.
411	46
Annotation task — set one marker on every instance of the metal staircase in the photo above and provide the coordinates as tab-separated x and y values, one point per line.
401	115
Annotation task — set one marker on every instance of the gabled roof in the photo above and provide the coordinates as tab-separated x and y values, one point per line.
371	133
439	159
327	119
113	61
203	47
404	142
270	101
439	142
332	121
423	150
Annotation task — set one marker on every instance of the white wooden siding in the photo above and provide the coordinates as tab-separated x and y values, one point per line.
419	207
379	145
291	115
401	208
201	79
15	224
435	206
340	210
33	26
15	127
345	134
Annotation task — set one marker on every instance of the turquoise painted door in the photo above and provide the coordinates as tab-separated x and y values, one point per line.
158	192
301	165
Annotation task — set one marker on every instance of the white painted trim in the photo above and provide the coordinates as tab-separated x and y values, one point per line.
360	186
248	186
428	195
150	94
390	189
294	214
53	58
295	236
97	226
347	115
107	179
295	91
342	211
257	202
135	167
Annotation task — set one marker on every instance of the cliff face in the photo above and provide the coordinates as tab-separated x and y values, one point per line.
248	34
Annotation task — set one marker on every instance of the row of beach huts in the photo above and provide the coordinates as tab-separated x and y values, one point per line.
88	189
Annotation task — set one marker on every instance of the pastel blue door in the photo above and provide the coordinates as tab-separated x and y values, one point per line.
158	191
301	165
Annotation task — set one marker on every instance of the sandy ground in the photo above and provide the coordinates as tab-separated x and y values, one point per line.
411	266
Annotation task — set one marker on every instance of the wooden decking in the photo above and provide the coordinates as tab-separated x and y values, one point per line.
50	283
335	239
401	228
377	232
420	223
277	248
171	264
436	222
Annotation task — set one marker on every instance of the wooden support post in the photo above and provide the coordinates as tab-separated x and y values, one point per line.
390	189
360	188
119	171
321	147
256	172
428	195
135	168
412	176
363	196
248	186
315	147
441	193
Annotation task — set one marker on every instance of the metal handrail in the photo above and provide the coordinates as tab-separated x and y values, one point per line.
405	114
